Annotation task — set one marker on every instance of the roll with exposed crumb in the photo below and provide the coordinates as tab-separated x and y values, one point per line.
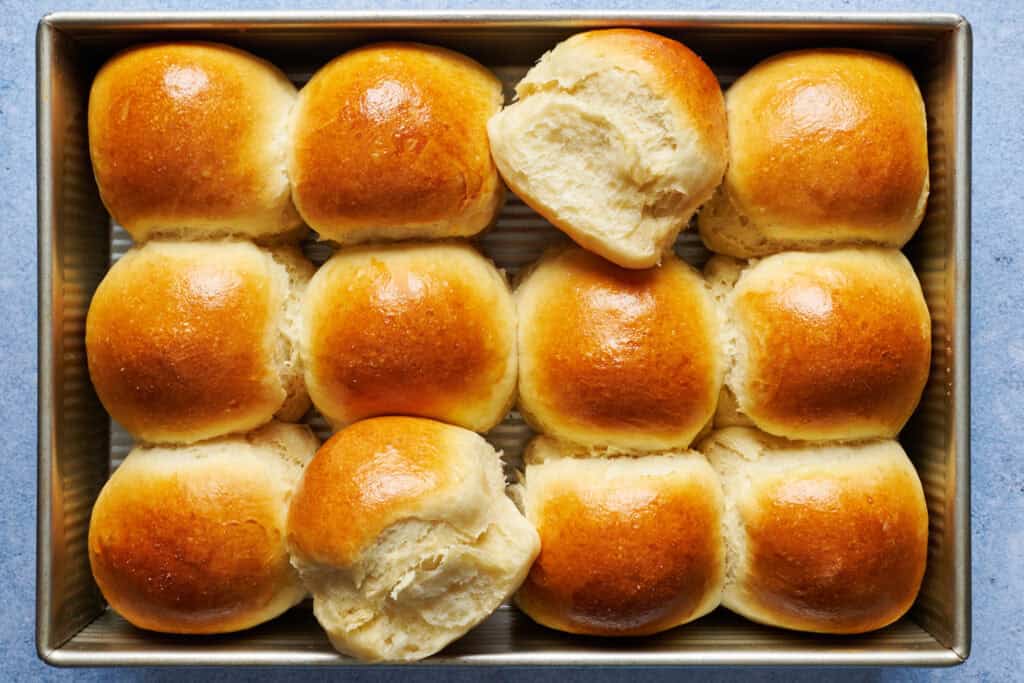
402	531
617	136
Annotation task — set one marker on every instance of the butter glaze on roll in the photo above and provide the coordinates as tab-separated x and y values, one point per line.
191	340
825	346
423	329
190	140
826	148
827	538
616	137
389	142
616	357
190	539
630	545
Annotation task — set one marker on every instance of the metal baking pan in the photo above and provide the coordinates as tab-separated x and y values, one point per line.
78	444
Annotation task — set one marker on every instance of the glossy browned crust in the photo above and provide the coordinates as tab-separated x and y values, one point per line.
363	479
836	554
190	552
394	135
178	133
180	344
680	73
631	561
411	329
825	139
617	354
839	344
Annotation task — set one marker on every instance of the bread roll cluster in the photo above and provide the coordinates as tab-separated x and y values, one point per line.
829	339
793	360
214	328
192	338
807	362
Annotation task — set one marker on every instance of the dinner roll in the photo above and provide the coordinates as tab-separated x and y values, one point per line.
191	340
190	539
190	140
835	345
424	329
616	357
822	538
629	545
826	148
616	138
402	531
390	142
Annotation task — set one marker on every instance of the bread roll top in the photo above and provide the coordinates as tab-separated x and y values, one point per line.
378	472
610	356
190	539
425	329
190	140
191	340
833	345
389	141
822	538
826	148
630	545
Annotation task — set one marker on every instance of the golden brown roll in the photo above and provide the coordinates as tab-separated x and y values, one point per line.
826	148
190	539
190	140
630	545
821	538
390	142
402	531
835	345
617	357
425	329
192	340
617	137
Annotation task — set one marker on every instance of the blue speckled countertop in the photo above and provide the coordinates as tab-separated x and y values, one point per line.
997	345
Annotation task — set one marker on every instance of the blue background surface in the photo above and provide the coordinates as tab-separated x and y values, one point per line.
997	346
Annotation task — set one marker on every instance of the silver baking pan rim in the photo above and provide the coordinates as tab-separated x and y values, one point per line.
54	639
